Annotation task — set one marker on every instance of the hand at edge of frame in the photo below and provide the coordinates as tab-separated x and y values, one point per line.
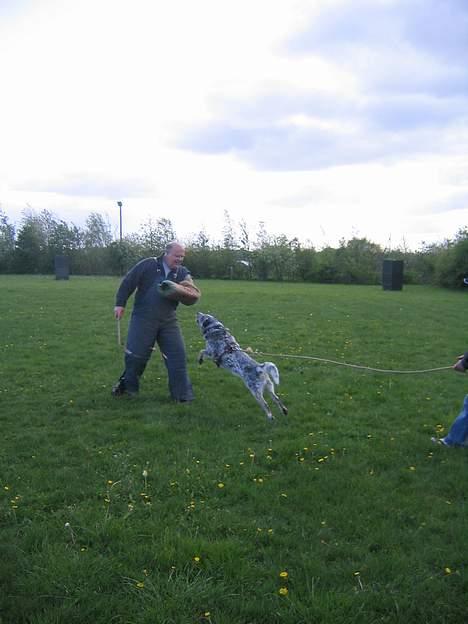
458	366
119	312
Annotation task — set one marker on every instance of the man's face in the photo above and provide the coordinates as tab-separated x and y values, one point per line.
175	257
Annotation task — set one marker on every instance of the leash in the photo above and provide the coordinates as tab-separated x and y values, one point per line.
367	368
311	357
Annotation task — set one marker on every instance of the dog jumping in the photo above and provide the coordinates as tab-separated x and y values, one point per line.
224	350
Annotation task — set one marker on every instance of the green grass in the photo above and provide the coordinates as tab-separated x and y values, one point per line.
346	494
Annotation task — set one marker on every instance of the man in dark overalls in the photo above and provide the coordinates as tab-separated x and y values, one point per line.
160	284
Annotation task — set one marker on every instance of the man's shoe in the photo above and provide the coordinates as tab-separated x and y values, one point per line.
120	390
440	441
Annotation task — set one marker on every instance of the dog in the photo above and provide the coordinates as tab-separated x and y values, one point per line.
224	350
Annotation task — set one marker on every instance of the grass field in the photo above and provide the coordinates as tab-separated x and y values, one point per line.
142	511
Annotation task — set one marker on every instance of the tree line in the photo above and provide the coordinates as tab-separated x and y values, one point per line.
92	250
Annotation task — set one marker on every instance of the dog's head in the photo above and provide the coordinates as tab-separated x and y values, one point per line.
208	323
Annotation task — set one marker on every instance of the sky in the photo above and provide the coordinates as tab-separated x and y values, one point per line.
323	119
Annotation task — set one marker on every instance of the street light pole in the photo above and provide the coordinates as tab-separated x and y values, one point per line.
119	204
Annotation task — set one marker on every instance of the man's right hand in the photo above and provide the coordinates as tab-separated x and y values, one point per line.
119	312
459	365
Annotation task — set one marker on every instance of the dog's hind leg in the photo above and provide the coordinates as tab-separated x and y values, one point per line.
271	389
263	404
201	356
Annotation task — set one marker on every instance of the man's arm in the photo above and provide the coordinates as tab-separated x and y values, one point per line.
128	286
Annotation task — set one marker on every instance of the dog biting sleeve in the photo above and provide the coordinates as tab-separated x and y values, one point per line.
184	292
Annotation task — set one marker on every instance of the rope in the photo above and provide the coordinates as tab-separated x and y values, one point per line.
311	357
368	368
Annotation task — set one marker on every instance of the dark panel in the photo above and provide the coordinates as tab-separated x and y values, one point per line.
392	274
62	268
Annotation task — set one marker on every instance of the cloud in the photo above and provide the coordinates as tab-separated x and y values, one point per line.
456	202
412	92
90	185
12	8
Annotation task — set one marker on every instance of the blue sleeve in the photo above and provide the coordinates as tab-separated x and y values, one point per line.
130	283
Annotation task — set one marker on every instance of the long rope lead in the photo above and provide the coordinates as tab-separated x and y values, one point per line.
317	359
367	368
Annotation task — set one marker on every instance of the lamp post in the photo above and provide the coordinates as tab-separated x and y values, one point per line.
119	204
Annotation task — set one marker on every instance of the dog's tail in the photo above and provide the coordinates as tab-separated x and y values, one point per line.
272	372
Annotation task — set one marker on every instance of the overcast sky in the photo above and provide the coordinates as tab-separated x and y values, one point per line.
325	119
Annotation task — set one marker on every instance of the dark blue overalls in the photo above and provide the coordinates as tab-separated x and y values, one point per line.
153	321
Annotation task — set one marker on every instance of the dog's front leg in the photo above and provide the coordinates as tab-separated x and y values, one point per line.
201	356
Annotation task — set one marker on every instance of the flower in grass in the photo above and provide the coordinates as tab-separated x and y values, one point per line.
145	473
283	591
412	468
447	571
220	485
283	574
140	584
197	558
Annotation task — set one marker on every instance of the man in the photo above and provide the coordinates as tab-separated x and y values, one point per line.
458	432
160	284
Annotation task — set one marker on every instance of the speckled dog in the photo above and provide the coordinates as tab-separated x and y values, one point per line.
223	349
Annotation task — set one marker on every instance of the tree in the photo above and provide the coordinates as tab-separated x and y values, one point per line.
358	261
98	231
30	245
155	235
229	236
7	243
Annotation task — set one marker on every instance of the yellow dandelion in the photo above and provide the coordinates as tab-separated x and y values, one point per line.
140	585
447	571
283	591
220	485
284	574
197	559
109	482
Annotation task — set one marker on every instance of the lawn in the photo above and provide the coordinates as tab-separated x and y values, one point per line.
143	511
